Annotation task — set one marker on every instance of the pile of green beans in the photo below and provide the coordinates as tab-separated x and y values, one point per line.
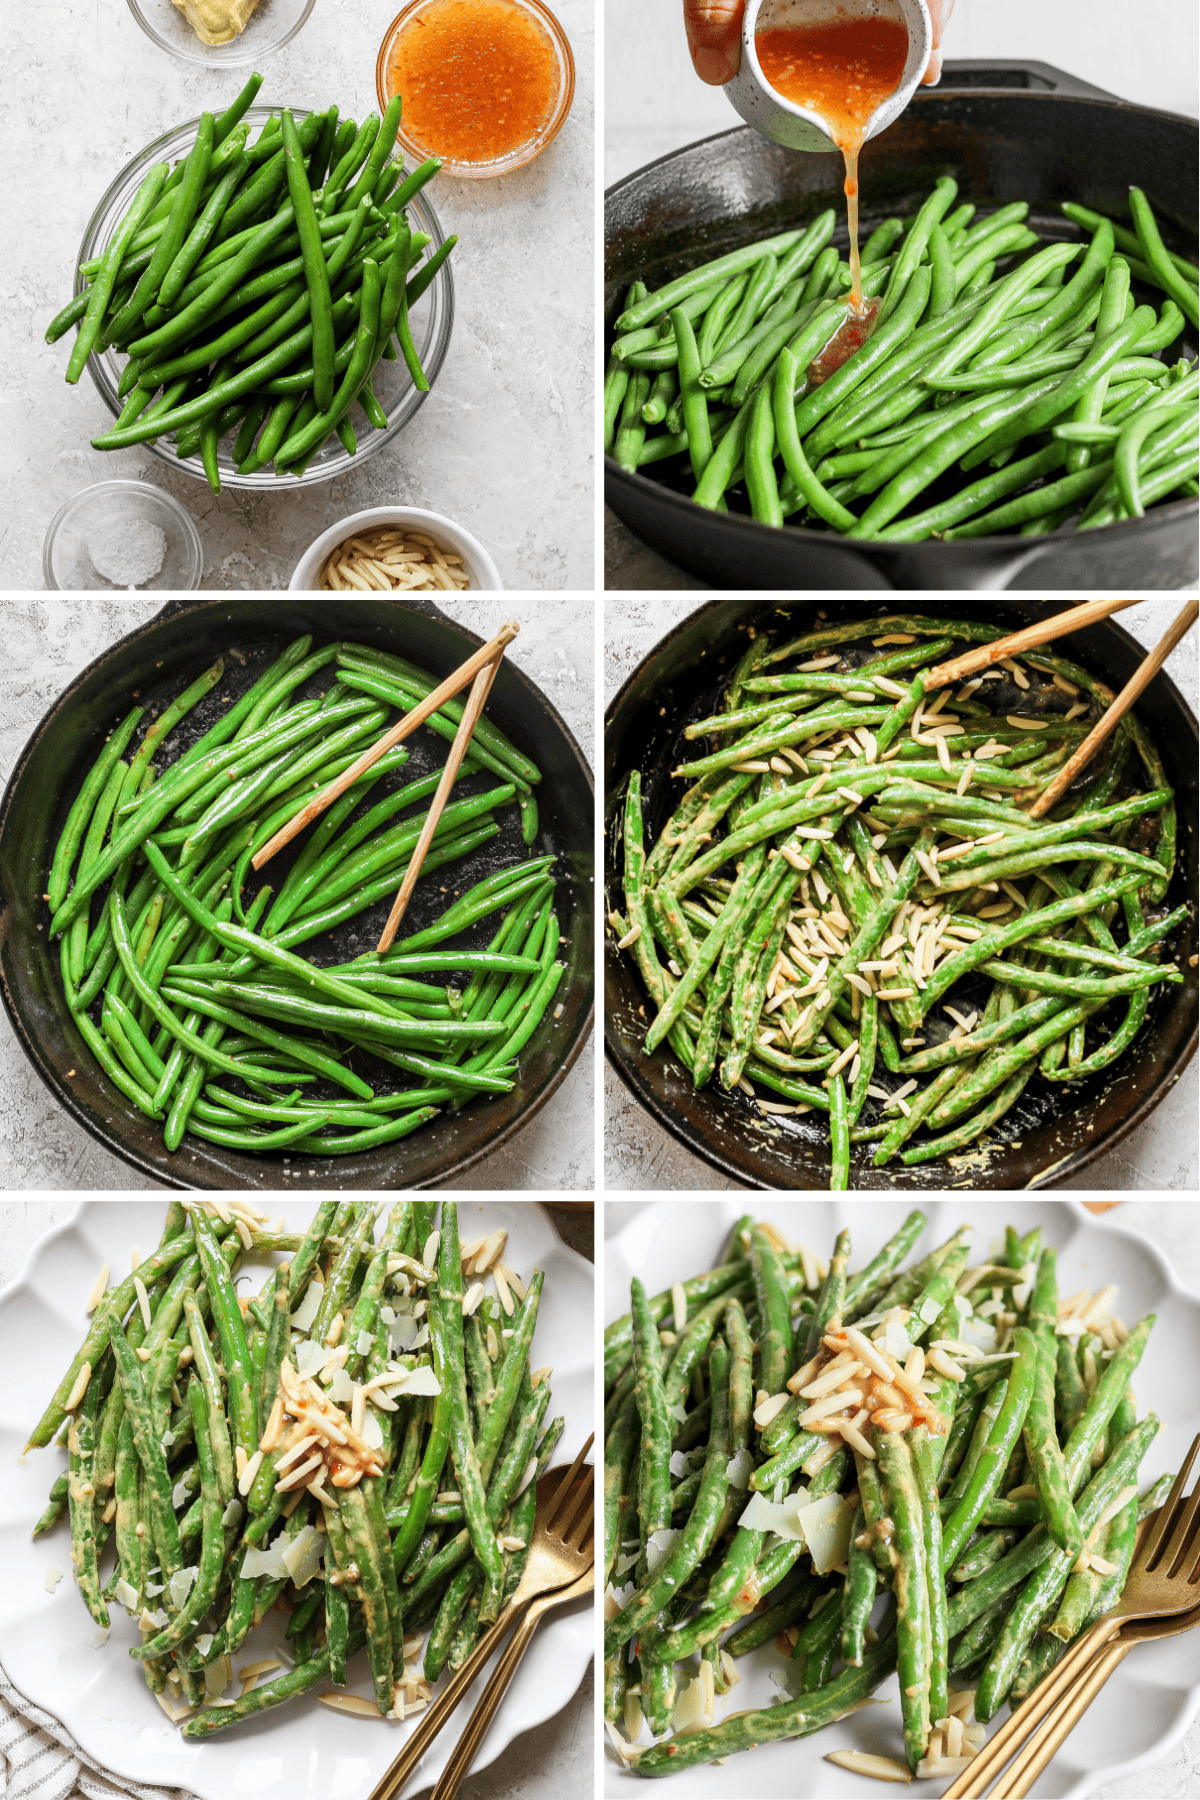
193	998
850	896
986	347
257	286
977	1517
172	1480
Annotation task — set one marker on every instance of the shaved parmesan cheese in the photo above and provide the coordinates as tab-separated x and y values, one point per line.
896	1340
217	1677
624	1563
232	1514
418	1381
691	1708
341	1388
658	1547
127	1595
305	1555
204	1642
264	1562
739	1469
677	1412
680	1464
371	1433
54	1575
98	1639
404	1332
784	1520
309	1307
979	1333
181	1493
364	1343
181	1585
826	1525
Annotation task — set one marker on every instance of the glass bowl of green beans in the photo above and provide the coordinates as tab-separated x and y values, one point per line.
271	25
432	323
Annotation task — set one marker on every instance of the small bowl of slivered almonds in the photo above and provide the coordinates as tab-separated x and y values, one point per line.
394	550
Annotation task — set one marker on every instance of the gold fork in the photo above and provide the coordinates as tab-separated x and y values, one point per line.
554	1562
467	1748
1020	1776
1161	1582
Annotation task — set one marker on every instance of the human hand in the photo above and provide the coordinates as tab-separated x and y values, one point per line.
714	35
714	31
939	15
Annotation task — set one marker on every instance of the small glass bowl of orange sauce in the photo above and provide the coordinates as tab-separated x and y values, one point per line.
486	84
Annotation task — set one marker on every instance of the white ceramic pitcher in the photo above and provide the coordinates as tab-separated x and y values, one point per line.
795	126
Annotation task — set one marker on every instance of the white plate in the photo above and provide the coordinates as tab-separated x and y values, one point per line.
1152	1698
302	1749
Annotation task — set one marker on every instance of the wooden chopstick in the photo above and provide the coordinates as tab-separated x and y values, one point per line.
452	685
458	749
1058	626
1113	714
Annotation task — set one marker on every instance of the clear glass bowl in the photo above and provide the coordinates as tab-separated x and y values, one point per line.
66	559
432	323
524	153
271	25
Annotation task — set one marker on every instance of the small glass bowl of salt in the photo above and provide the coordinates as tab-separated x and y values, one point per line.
123	534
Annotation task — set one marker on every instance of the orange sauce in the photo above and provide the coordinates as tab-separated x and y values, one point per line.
479	78
841	69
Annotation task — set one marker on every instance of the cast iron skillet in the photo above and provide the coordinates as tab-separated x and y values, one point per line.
155	663
1005	132
1053	1132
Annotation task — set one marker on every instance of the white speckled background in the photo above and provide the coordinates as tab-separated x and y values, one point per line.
639	1154
543	1764
503	444
47	642
1174	1226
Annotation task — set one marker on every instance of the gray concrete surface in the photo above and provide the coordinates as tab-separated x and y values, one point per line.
503	444
46	643
639	1154
555	1759
1174	1226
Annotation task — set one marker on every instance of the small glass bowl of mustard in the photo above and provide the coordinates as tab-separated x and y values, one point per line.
456	63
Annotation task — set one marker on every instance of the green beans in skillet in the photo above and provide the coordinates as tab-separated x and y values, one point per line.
220	1028
335	1478
939	948
952	311
254	238
802	1559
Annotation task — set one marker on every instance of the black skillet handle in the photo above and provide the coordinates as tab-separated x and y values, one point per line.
984	74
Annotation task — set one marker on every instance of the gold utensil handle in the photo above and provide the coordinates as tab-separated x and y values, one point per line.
464	1752
1020	1776
442	1706
973	1783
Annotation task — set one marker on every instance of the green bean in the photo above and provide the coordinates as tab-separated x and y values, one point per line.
995	1454
466	1463
696	1537
1165	272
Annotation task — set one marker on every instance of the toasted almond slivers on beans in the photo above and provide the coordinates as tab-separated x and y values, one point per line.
833	1403
830	1379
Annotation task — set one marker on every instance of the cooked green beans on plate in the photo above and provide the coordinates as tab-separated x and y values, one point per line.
255	287
850	909
938	1476
306	1448
1005	384
192	994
